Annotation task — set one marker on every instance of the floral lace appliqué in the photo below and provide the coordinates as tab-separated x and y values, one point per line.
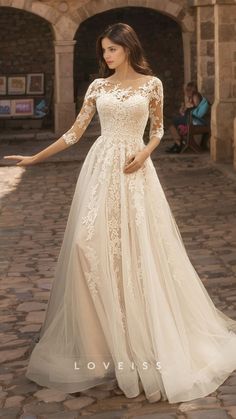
123	114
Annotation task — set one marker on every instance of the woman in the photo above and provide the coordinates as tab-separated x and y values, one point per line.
126	305
197	113
182	119
201	107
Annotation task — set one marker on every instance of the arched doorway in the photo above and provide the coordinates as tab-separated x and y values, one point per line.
160	36
27	50
64	21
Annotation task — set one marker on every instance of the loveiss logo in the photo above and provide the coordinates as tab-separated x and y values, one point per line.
91	365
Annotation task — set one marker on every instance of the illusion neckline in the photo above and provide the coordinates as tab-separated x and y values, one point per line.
129	87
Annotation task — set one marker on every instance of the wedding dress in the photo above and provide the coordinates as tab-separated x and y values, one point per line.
126	304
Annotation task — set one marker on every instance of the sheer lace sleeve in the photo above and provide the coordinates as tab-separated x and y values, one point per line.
156	110
84	117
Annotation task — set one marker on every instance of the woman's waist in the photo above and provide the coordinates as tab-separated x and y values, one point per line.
120	135
120	143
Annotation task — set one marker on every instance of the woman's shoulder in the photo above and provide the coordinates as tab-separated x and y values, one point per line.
156	80
155	87
93	87
203	102
152	79
96	81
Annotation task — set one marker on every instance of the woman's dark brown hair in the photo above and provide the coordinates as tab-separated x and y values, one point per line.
124	35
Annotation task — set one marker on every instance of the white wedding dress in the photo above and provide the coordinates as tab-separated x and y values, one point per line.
127	305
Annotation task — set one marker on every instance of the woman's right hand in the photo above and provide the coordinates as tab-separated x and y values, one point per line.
52	149
24	160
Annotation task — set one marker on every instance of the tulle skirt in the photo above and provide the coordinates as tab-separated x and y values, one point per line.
127	305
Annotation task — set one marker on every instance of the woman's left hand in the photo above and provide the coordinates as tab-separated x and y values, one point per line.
24	160
136	161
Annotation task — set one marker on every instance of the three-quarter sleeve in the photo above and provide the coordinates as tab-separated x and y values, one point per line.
84	117
156	110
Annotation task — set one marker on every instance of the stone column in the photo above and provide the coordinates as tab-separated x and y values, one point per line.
186	36
216	70
224	108
205	51
64	86
235	143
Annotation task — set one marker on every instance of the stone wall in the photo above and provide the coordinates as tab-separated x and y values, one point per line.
224	109
234	143
206	52
27	47
176	20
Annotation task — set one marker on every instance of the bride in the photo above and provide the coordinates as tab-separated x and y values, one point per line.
126	306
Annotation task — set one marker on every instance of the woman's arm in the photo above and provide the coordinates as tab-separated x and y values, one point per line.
156	131
52	149
71	136
201	109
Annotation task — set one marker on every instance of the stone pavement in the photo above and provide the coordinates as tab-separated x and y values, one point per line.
35	202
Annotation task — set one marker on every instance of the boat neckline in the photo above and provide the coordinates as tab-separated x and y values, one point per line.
129	87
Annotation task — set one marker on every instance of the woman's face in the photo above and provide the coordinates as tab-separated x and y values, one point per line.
196	100
189	91
113	54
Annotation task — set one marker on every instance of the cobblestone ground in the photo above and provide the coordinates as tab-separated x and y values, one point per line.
34	208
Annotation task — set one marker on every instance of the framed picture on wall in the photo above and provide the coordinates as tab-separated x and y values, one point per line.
35	84
3	85
16	85
5	108
22	107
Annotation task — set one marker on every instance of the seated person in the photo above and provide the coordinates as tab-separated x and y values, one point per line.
201	106
184	110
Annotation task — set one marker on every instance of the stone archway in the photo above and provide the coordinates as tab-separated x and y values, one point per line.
63	28
161	38
65	21
65	25
22	54
170	8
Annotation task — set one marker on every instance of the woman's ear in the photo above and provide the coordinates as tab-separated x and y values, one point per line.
127	51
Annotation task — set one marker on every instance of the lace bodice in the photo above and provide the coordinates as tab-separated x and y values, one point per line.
123	111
